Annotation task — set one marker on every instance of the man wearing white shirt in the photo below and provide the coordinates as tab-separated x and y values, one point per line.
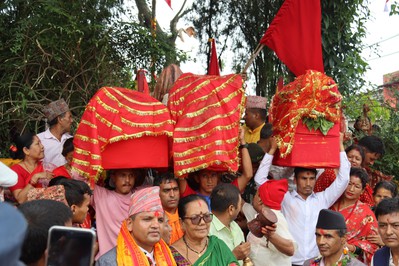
301	207
60	121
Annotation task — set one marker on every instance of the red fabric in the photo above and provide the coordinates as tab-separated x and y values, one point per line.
24	176
86	223
117	115
376	176
142	84
206	111
367	196
169	2
360	223
312	149
295	35
61	171
311	95
324	180
213	68
272	193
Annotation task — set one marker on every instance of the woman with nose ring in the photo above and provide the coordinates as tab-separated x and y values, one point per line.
196	247
359	218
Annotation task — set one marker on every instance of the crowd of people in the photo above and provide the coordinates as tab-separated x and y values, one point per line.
261	215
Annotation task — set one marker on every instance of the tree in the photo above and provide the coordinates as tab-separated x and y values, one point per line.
54	48
146	19
241	24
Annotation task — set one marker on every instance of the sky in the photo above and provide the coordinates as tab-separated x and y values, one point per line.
382	30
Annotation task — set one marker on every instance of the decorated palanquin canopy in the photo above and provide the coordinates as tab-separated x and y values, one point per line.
121	128
206	111
299	112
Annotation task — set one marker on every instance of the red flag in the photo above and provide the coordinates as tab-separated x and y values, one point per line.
142	85
169	2
295	36
213	68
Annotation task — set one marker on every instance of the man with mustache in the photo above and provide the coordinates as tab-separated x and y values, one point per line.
139	241
112	206
331	241
169	194
301	206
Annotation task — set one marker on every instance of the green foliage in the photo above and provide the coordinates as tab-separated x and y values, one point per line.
239	25
53	48
353	106
387	118
343	29
318	123
389	164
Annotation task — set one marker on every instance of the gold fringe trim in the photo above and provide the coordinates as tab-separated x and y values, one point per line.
86	139
88	123
215	91
197	79
218	104
198	149
203	166
103	120
208	120
145	125
183	97
81	162
138	112
112	97
207	134
102	139
203	157
81	151
106	106
139	135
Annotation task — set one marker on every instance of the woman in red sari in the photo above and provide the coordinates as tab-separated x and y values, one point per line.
356	157
359	218
30	171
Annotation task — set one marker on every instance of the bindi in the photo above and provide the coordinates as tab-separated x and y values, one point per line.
199	203
322	232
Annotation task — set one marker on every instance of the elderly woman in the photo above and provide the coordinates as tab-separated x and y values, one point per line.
196	247
30	171
359	218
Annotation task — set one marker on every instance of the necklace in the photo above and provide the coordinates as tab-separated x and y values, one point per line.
196	252
26	167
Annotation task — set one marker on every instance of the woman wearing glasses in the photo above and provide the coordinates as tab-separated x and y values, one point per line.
196	247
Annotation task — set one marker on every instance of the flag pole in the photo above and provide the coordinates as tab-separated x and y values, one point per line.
252	58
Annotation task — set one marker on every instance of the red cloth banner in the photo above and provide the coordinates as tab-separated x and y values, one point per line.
295	36
206	112
169	2
213	68
121	128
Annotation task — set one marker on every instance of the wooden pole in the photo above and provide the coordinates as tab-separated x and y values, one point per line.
154	36
252	58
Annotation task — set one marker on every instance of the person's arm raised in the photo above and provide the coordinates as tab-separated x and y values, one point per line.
247	171
335	190
264	167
